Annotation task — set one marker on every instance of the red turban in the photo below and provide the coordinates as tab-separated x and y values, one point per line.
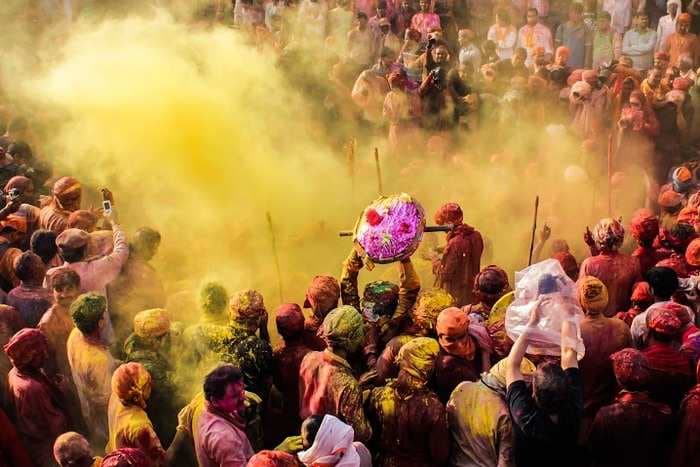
272	459
67	191
669	198
323	293
126	457
454	323
679	311
631	368
289	319
20	183
692	253
82	219
684	18
664	322
688	215
131	383
27	348
568	262
662	56
641	292
644	226
449	213
676	263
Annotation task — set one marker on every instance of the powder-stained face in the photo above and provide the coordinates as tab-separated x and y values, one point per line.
233	401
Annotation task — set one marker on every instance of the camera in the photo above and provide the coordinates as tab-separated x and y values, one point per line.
13	194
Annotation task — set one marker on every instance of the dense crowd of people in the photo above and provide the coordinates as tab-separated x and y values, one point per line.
97	371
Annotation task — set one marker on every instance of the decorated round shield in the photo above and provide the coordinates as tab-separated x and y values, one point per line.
390	228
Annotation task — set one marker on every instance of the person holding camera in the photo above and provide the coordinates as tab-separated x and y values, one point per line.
435	101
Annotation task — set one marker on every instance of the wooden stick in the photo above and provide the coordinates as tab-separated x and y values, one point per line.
379	171
275	254
351	168
610	156
534	230
429	228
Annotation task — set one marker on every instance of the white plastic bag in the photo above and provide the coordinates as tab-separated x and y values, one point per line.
545	285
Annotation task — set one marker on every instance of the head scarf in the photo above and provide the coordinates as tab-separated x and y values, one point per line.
417	357
684	18
323	294
333	445
641	292
151	323
668	198
71	446
380	298
449	213
664	322
25	346
343	327
87	310
429	305
18	182
272	459
592	294
608	234
631	368
66	190
454	323
131	383
491	283
290	320
82	219
246	305
644	226
126	457
498	371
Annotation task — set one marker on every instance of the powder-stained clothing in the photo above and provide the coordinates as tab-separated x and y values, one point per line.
91	367
602	337
10	323
221	441
129	427
137	288
12	452
631	432
450	370
163	402
686	451
538	439
673	373
648	257
677	45
327	386
618	272
285	374
460	263
39	412
202	339
53	218
96	274
30	302
480	426
387	367
409	287
411	424
57	324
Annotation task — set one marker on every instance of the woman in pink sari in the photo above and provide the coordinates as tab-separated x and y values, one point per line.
425	20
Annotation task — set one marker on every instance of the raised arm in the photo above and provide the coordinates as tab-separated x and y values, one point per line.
515	357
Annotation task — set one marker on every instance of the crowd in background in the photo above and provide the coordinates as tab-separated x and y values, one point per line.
97	370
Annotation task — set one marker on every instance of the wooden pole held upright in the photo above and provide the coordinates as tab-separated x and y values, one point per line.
534	230
379	171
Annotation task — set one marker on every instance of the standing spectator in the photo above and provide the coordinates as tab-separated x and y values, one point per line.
574	35
425	20
361	43
468	51
682	42
533	35
621	16
667	24
504	35
639	43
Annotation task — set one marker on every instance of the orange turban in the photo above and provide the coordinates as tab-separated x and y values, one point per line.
151	323
26	348
131	383
454	323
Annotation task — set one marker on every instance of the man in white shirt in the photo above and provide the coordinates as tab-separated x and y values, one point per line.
639	43
533	35
468	51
